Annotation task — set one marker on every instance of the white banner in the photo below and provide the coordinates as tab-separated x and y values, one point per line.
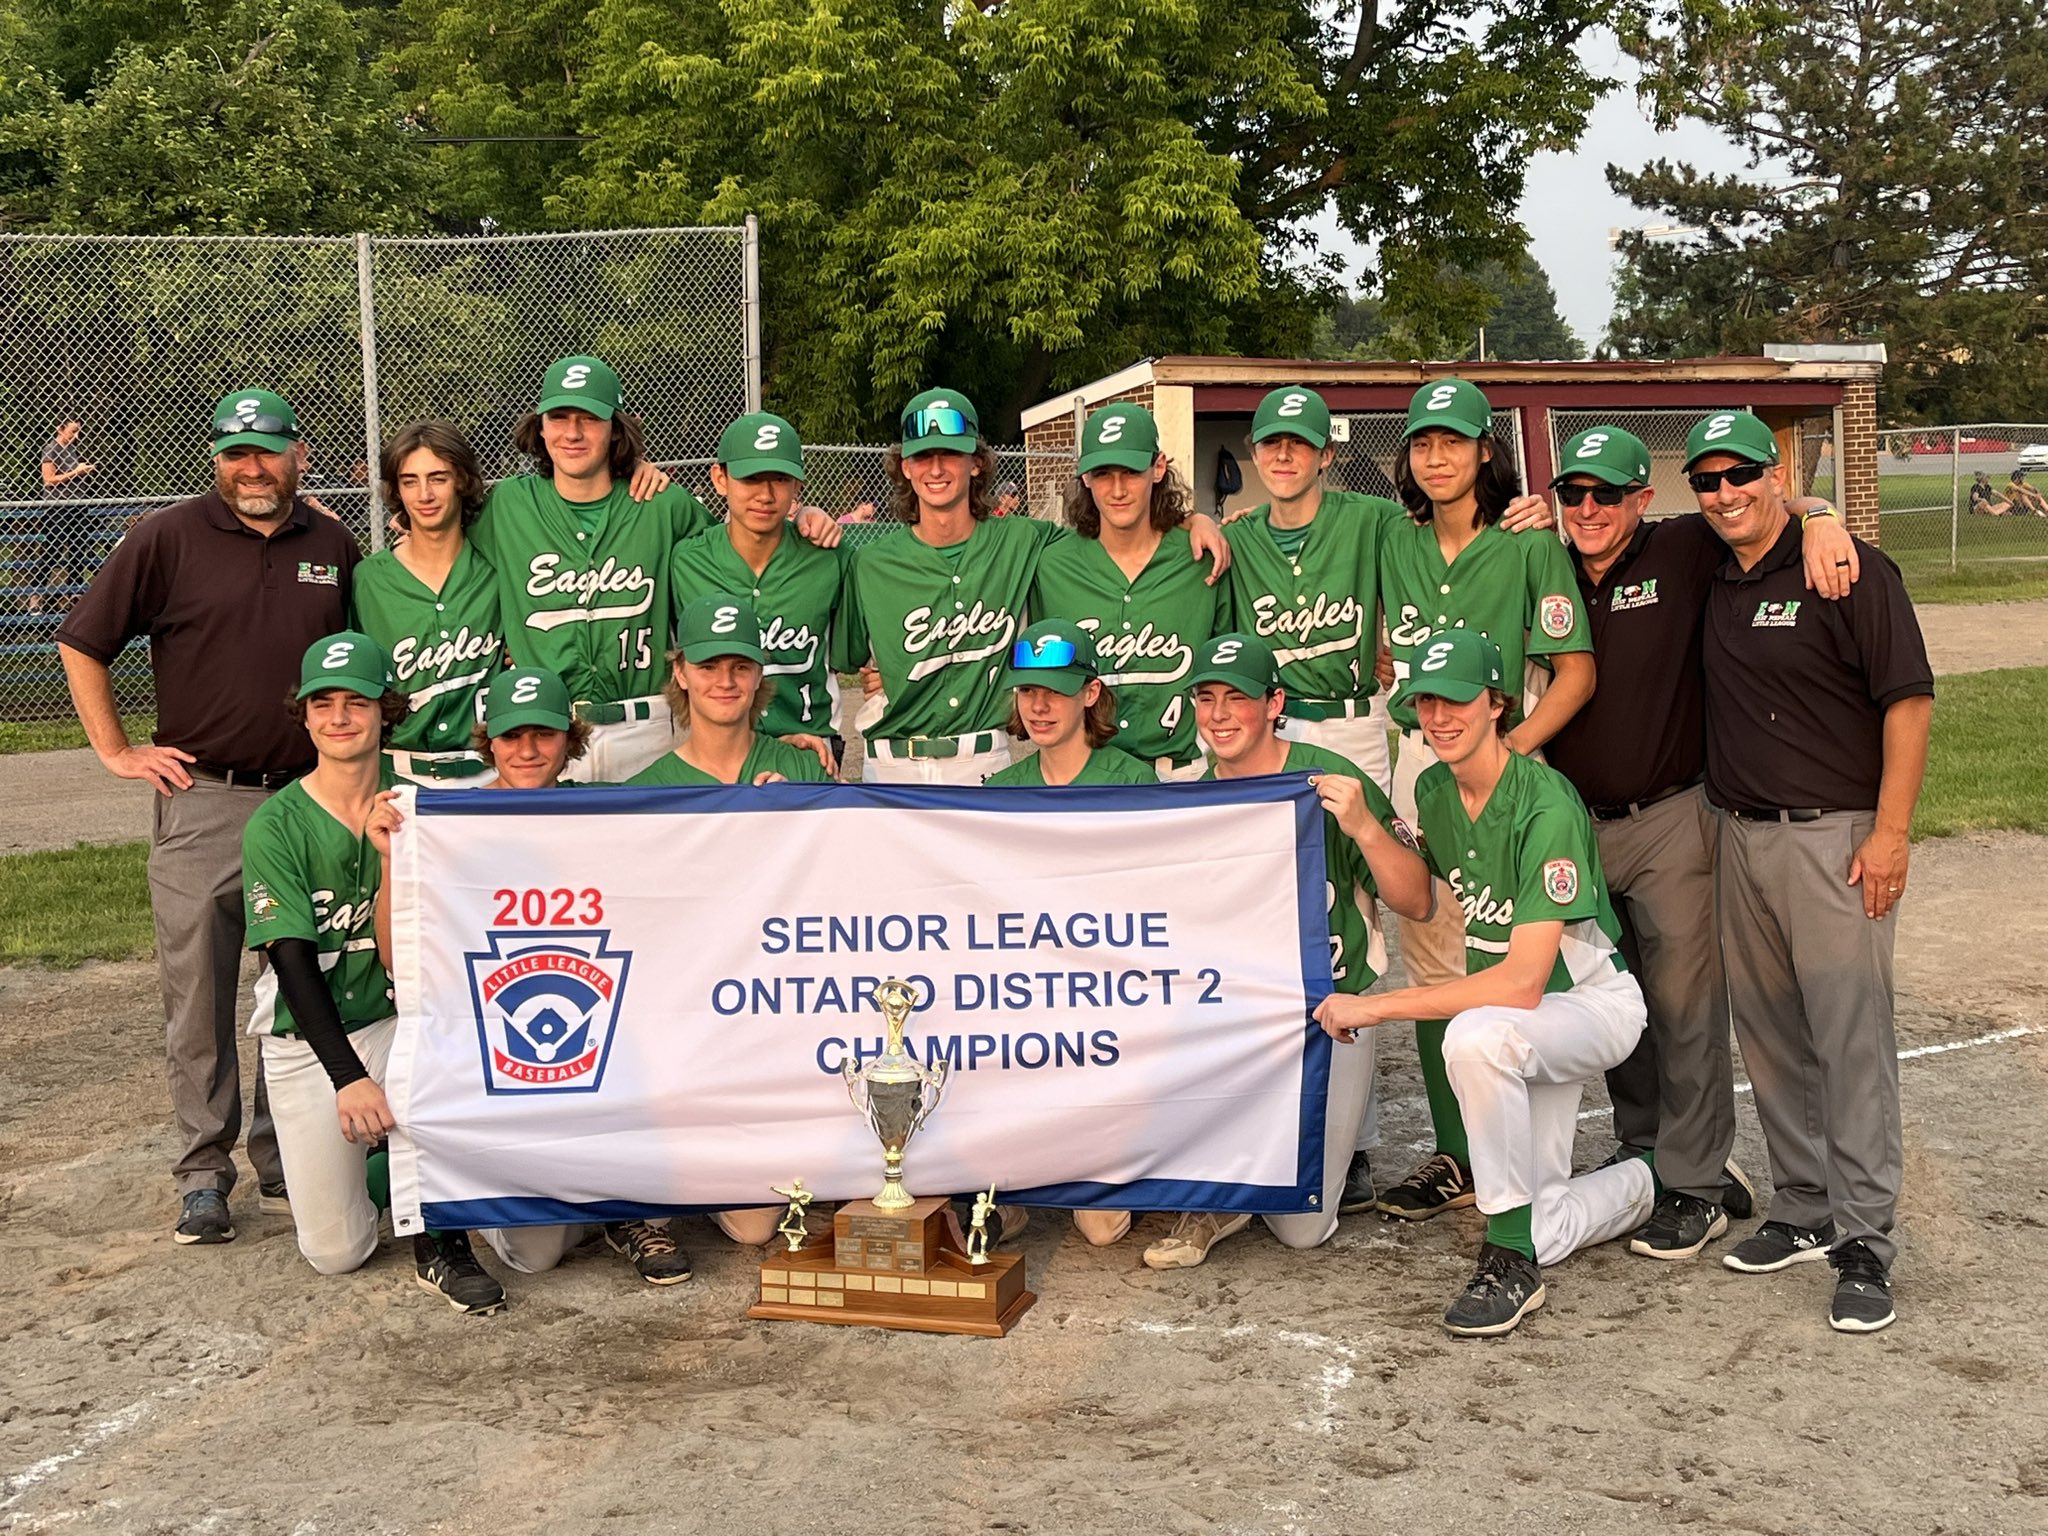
624	1002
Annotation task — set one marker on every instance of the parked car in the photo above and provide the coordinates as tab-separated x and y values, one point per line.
2034	456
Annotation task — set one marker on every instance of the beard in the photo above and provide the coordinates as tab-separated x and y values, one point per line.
261	504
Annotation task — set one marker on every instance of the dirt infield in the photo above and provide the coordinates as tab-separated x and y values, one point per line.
153	1388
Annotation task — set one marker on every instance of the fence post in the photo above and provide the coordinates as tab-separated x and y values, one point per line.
1955	490
373	437
751	303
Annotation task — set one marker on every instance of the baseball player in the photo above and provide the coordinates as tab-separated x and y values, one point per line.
1127	580
432	602
1452	566
583	563
793	584
311	878
1547	1002
1239	698
937	612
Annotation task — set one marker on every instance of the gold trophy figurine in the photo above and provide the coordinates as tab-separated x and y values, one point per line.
977	1232
793	1226
895	1093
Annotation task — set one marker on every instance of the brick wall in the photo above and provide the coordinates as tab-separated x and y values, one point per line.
1856	456
1044	481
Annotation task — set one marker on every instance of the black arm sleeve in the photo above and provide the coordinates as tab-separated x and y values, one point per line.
304	989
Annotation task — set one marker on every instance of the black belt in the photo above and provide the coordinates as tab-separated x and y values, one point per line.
1783	813
240	778
1623	812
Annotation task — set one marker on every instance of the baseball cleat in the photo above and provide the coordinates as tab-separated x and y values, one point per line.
1679	1227
444	1265
1440	1184
273	1199
1359	1194
1192	1237
204	1218
1778	1245
1506	1287
653	1252
1738	1193
1863	1291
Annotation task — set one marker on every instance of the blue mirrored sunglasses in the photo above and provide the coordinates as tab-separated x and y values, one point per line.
936	421
1043	654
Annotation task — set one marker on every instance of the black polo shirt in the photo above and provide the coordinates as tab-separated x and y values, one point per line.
1643	731
229	614
1797	686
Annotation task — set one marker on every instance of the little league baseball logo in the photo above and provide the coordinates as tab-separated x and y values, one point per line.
1555	614
1561	881
547	1005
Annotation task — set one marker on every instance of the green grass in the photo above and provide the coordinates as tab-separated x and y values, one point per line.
66	907
53	735
1988	768
1997	559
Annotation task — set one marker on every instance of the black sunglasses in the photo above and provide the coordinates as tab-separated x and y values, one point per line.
1705	482
1605	495
227	426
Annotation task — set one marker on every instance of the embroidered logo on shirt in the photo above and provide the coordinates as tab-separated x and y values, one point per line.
1637	594
1404	834
261	902
313	574
1561	881
1776	615
1557	616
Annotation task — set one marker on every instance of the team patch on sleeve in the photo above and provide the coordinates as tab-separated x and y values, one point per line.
1561	881
1404	834
1556	616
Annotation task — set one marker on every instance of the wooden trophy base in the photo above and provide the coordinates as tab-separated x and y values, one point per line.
894	1269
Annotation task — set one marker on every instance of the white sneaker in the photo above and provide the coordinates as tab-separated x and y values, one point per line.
1192	1237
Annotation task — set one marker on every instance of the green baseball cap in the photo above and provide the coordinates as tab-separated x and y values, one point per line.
761	443
527	696
350	660
1055	655
716	625
940	418
1735	432
1296	410
260	418
1610	454
1120	436
1456	404
1454	664
1243	661
586	383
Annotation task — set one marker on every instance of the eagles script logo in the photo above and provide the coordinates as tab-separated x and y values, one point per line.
547	1005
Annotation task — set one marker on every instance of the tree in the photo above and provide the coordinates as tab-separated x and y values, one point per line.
1896	191
1521	322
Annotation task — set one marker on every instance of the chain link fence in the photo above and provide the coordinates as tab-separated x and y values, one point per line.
115	350
1372	440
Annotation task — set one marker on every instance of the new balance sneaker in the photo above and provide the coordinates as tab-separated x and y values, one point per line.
1778	1245
273	1199
1441	1184
653	1252
443	1264
1505	1288
1679	1227
204	1218
1738	1194
1863	1291
1359	1194
1192	1237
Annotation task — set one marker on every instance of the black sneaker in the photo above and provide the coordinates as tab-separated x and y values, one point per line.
1738	1194
1359	1194
445	1266
1441	1184
1863	1291
204	1218
1504	1289
653	1252
273	1199
1778	1245
1679	1227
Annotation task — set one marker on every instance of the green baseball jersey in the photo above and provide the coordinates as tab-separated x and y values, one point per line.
796	597
306	876
1146	631
940	624
1319	607
1517	589
444	645
768	756
583	588
1530	858
1345	870
1105	765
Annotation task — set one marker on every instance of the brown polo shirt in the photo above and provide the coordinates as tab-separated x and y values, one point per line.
229	614
1797	686
1643	731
